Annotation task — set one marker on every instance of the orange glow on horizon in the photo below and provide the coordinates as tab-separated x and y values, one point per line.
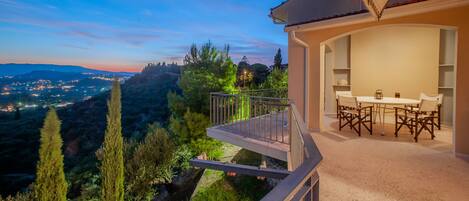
106	67
115	68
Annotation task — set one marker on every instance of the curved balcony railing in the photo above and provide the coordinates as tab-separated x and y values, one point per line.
255	114
270	116
303	182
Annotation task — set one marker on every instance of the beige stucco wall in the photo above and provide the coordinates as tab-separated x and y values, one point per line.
400	59
296	75
453	17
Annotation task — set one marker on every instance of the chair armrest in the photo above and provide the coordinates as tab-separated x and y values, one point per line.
397	109
366	109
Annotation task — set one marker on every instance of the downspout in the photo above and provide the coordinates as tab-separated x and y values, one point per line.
306	72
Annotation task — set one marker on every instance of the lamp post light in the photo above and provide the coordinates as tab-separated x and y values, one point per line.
244	79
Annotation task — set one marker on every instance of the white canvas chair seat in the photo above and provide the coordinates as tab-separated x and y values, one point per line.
348	101
342	93
428	105
350	111
417	119
436	115
438	98
421	116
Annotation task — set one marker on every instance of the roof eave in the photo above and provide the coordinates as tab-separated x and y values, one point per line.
390	13
279	13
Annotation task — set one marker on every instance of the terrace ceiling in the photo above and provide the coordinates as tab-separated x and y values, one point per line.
296	12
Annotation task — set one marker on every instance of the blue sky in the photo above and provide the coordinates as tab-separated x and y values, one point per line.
125	35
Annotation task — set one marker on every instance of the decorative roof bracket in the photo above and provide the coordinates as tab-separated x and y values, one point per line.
376	7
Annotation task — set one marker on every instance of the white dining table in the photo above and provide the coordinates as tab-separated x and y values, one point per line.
380	106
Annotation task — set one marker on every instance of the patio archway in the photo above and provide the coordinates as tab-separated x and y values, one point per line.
313	37
437	72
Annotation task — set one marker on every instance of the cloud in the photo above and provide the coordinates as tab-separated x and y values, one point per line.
38	16
90	31
75	47
86	34
145	31
257	50
136	38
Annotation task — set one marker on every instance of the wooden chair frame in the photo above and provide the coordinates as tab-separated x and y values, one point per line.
437	117
361	116
415	120
337	94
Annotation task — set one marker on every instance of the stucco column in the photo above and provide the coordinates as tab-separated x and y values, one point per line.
296	81
315	78
461	135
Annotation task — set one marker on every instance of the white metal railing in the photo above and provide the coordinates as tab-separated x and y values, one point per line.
303	182
252	113
297	150
257	114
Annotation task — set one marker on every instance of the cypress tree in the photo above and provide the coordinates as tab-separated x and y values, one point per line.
112	167
278	59
50	184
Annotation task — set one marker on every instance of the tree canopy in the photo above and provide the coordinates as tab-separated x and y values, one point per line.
261	72
50	184
206	70
278	59
112	167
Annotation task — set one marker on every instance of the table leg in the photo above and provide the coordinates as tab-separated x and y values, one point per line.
375	112
382	122
378	112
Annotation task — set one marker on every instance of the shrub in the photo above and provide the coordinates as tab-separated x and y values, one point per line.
150	164
213	148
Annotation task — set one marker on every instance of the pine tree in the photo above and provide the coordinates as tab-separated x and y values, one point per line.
112	167
50	182
278	59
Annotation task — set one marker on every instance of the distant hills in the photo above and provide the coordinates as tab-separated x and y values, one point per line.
12	69
50	75
144	101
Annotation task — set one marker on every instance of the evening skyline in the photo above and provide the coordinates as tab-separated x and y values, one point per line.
124	36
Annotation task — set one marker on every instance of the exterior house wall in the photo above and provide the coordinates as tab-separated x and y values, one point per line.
451	18
296	57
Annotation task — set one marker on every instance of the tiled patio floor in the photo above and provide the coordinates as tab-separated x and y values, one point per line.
388	168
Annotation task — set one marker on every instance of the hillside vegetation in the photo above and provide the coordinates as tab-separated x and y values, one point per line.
143	102
155	124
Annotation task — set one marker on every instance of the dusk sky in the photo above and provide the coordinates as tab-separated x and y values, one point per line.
125	35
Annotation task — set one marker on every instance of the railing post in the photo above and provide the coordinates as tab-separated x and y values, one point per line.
316	191
223	106
211	109
233	111
289	125
215	110
218	111
256	121
239	109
